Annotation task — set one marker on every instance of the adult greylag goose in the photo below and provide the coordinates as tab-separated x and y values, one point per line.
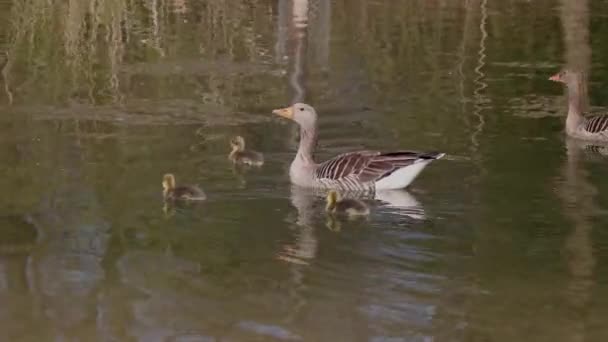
593	128
358	171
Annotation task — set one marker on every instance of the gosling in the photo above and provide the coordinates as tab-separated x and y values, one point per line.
239	155
184	192
346	206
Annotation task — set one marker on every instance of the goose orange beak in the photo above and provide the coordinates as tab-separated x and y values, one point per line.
555	78
286	112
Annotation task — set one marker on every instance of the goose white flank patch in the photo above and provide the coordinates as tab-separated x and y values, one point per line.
352	171
401	178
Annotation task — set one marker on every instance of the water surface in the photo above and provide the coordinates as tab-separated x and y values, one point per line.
501	241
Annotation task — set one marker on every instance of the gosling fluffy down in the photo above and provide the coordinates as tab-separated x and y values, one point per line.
184	192
239	155
346	206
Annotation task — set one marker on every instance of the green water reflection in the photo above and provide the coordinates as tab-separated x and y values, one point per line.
502	241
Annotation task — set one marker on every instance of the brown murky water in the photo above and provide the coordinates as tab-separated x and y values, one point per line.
503	241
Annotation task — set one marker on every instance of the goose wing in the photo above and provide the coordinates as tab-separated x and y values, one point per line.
369	166
597	124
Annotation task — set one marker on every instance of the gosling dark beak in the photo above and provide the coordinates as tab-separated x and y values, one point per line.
286	112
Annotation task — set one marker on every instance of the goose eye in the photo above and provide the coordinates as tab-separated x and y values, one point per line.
301	109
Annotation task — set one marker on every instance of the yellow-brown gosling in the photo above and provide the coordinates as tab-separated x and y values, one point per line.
346	206
239	155
184	192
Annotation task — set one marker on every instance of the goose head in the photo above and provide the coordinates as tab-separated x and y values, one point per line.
305	115
568	77
168	182
237	143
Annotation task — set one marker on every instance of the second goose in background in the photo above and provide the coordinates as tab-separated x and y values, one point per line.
593	128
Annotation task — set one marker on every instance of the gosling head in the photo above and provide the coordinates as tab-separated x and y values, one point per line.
168	182
237	143
567	76
303	114
332	199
